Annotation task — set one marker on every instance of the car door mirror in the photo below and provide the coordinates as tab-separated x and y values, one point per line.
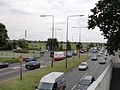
36	88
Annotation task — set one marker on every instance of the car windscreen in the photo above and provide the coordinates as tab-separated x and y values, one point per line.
85	82
82	64
45	86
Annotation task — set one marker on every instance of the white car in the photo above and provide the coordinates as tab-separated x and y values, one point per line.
102	60
83	66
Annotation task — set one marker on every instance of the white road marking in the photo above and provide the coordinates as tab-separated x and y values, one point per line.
92	66
84	75
73	87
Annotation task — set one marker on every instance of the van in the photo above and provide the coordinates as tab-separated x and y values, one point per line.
59	56
52	81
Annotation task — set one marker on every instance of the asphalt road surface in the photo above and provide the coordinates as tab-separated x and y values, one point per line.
14	69
95	69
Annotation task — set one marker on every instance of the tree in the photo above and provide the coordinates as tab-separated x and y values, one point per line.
3	35
22	43
79	46
68	45
51	42
106	16
61	47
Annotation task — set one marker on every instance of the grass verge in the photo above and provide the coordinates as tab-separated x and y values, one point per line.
31	78
9	60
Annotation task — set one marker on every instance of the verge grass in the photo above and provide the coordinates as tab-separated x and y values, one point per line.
31	78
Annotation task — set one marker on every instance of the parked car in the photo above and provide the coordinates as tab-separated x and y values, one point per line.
85	83
29	59
102	60
32	65
83	66
3	65
94	58
51	54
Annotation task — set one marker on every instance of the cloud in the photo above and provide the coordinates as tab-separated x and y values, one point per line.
20	15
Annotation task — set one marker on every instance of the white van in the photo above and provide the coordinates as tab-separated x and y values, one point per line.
59	56
52	81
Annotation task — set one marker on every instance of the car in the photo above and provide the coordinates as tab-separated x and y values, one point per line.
31	65
94	58
3	65
85	82
69	54
82	51
29	59
102	60
99	54
75	52
105	57
51	54
59	56
94	51
83	66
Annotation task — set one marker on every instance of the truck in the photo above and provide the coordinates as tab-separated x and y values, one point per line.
52	81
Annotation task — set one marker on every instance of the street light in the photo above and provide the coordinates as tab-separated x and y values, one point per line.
67	32
52	32
79	35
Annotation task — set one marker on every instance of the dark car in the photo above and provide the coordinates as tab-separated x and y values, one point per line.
3	65
32	65
29	59
82	51
51	54
86	82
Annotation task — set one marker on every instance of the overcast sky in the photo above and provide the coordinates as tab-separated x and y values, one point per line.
21	15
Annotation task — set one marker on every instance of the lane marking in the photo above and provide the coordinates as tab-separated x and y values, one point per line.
73	87
84	76
92	66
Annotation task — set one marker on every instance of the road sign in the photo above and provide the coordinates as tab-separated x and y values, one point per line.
20	58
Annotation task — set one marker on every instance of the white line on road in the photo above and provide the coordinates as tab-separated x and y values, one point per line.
84	76
73	87
92	66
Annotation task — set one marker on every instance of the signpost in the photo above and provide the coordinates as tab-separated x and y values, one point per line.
20	61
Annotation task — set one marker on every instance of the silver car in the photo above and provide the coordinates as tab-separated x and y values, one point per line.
83	66
102	60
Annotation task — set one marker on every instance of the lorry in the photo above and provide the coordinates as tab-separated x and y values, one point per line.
52	81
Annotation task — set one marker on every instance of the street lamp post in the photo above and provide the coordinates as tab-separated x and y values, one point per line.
79	35
52	33
67	33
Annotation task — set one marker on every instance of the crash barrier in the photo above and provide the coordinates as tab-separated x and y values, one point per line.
103	81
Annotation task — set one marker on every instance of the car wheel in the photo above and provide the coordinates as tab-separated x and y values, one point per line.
28	67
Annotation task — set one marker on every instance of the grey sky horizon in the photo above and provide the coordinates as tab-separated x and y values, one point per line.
21	15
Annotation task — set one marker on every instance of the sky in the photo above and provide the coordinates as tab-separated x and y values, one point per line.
21	15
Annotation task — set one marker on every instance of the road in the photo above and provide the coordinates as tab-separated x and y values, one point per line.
13	69
95	69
